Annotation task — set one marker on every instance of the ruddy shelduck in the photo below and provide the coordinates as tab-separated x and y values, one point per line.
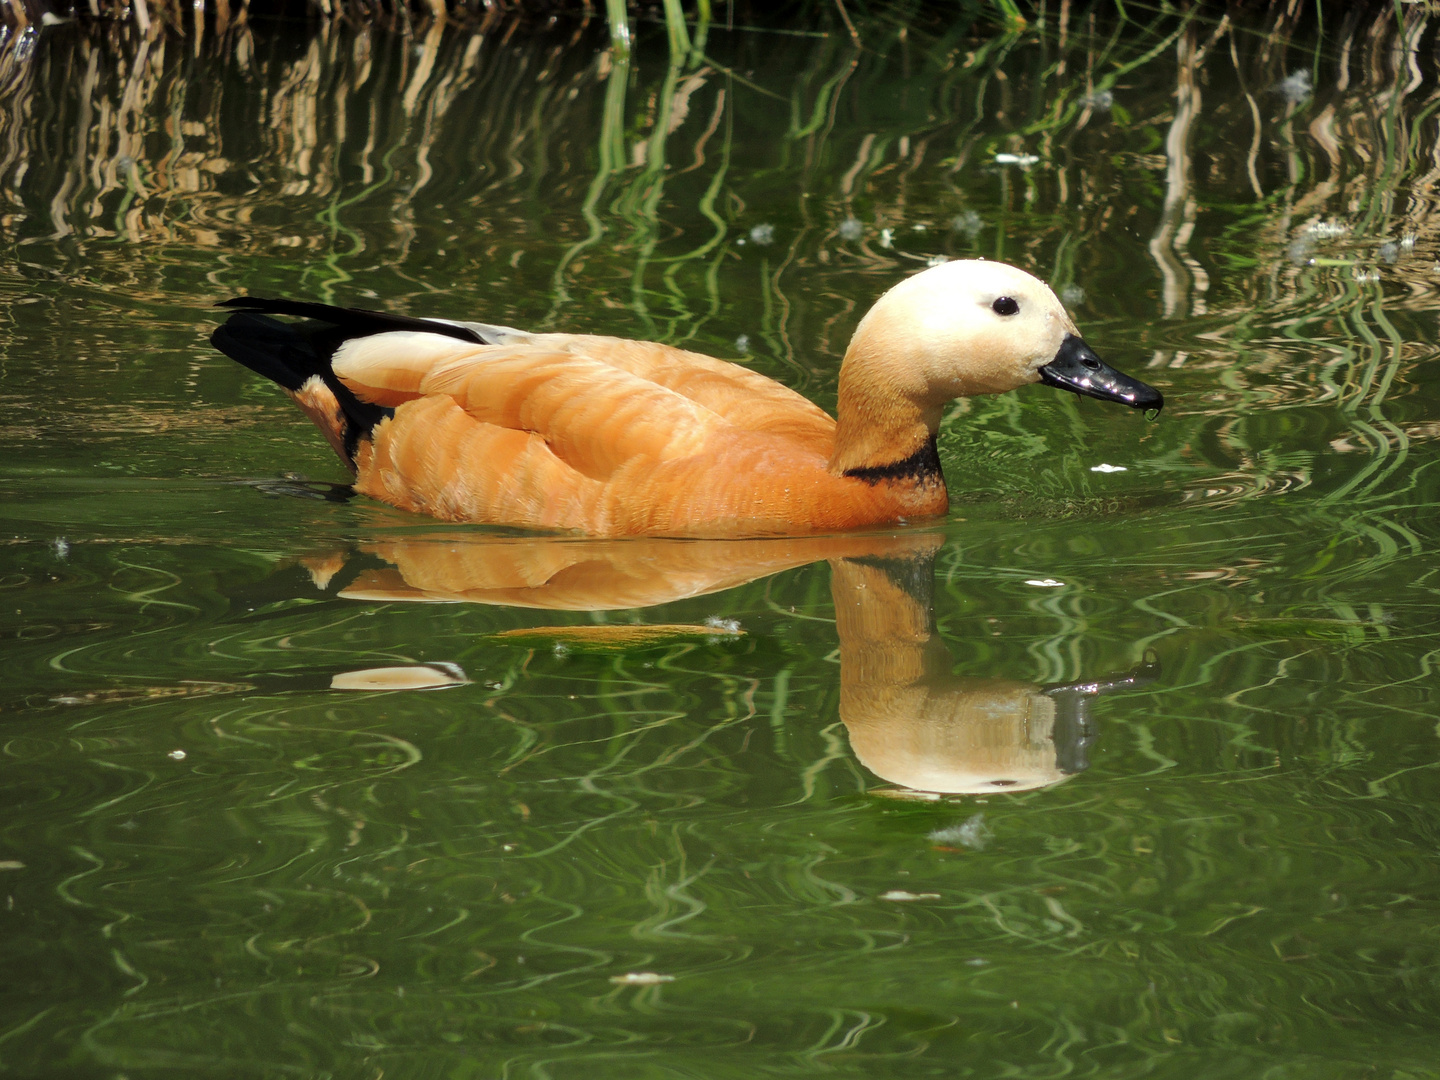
471	422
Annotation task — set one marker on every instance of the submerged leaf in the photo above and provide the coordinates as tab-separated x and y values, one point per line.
406	677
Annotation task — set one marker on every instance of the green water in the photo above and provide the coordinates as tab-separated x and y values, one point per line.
213	864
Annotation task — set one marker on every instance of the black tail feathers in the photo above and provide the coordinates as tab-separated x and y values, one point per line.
289	353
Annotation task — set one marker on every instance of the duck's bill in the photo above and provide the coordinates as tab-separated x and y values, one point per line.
1076	368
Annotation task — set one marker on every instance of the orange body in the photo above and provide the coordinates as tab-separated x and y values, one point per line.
609	438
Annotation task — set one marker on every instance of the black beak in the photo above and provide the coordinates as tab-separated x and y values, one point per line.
1076	368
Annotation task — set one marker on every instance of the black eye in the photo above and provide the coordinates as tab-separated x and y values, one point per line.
1006	306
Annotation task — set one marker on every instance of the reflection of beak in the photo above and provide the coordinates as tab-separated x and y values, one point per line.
1076	368
1074	731
1143	674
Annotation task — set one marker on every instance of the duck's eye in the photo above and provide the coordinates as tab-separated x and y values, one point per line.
1006	306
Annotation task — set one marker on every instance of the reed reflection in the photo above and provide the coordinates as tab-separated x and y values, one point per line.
910	720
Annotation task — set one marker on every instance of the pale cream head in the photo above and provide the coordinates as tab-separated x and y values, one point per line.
945	324
934	337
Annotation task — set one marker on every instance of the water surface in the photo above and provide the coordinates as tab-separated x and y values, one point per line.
689	851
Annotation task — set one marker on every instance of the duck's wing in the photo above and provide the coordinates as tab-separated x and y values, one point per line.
551	381
591	415
744	398
548	432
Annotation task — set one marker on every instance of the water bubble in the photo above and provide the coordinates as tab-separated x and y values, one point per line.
1298	252
972	833
969	222
641	978
763	234
851	229
1295	87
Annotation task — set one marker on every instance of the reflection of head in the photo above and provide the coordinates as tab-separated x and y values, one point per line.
913	723
959	736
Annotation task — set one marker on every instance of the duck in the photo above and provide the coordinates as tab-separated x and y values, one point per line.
609	437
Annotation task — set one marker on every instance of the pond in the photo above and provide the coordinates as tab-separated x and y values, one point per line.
1127	767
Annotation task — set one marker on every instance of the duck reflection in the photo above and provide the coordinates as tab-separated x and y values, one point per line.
564	574
910	721
914	723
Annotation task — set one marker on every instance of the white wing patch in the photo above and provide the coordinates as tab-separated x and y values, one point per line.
401	359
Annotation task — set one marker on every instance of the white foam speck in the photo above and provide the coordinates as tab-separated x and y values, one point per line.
972	833
641	978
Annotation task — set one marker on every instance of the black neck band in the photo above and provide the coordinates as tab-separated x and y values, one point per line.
921	466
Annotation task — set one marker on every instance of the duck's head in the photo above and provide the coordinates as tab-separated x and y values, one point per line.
977	327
